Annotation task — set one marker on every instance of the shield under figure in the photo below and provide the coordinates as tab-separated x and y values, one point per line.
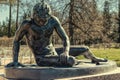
38	32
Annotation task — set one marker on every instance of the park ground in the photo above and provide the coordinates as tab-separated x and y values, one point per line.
25	53
108	53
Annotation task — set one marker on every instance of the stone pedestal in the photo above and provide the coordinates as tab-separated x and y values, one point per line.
50	73
111	75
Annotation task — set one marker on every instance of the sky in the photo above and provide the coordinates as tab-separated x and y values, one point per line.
4	13
4	10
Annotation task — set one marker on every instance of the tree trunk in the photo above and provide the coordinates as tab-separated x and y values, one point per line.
9	25
119	23
17	14
107	21
71	28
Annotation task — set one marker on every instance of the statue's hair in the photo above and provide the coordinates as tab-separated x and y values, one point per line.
42	7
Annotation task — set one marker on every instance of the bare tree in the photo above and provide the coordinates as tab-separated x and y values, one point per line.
71	26
106	21
11	2
84	17
17	14
119	22
9	25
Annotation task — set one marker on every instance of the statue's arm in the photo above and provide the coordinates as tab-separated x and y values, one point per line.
61	32
21	31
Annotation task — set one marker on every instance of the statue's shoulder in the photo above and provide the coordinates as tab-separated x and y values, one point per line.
26	23
55	20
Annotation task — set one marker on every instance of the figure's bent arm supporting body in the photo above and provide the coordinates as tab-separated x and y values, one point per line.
16	44
61	32
75	51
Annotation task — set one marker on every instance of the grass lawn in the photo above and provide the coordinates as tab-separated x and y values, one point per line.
111	54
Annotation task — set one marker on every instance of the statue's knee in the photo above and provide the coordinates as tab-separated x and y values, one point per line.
86	48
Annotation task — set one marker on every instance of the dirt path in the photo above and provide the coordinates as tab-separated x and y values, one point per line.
1	73
1	69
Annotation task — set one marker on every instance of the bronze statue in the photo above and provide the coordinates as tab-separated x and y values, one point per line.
38	32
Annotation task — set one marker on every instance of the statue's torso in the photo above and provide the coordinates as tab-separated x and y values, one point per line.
39	38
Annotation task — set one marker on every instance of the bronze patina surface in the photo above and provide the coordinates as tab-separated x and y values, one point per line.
38	32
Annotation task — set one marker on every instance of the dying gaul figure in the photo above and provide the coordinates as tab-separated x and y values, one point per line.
38	32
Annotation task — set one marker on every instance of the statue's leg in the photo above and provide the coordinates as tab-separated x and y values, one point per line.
88	54
54	61
76	51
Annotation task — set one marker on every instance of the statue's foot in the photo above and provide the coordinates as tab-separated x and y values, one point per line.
97	60
15	65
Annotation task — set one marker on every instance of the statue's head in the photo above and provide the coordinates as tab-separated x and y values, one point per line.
42	10
41	13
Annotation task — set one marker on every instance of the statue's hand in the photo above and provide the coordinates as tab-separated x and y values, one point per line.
14	64
64	58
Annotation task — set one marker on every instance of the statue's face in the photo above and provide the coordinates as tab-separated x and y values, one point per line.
39	20
41	13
